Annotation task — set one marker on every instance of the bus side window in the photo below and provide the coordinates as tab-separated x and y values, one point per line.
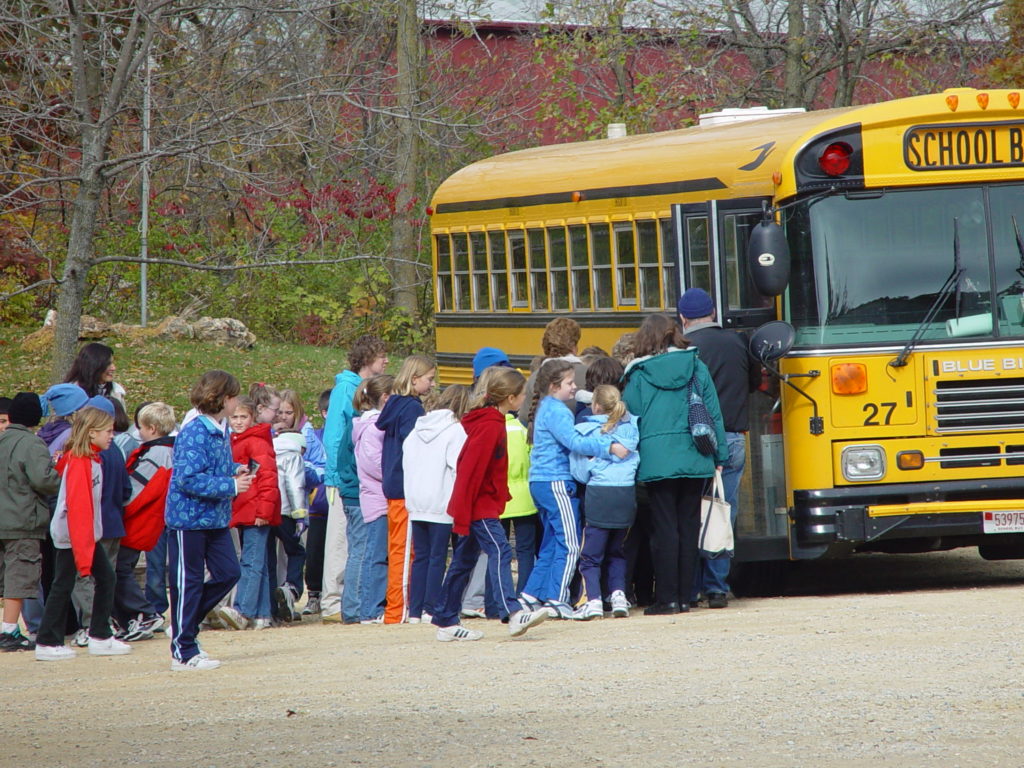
518	274
625	265
650	288
601	256
538	269
499	271
462	291
444	273
557	257
580	267
481	282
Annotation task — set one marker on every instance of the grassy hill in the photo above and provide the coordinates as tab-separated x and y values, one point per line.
166	370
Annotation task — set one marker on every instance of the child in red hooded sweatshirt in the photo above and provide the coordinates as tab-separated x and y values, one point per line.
477	501
76	529
254	513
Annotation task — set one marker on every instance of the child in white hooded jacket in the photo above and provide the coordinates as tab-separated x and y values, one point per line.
429	455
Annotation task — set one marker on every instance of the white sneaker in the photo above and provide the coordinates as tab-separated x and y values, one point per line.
472	613
261	624
378	620
529	602
620	605
556	609
197	663
54	653
520	621
81	638
592	609
231	618
413	620
110	646
457	633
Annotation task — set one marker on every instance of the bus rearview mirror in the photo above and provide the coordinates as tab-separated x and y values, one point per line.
768	258
772	341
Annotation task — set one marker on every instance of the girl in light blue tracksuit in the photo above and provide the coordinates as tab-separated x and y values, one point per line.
611	503
553	488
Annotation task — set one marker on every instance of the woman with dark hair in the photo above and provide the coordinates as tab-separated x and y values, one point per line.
657	390
94	370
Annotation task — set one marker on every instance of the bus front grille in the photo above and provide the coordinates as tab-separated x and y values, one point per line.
979	405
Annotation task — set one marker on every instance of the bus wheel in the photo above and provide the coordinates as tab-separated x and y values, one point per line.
766	578
1001	551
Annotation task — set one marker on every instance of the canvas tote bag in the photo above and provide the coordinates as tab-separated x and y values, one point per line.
716	538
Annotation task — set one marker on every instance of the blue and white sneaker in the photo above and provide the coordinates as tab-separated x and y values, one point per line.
556	609
620	605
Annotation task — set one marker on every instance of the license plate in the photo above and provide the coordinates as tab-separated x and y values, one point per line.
1003	522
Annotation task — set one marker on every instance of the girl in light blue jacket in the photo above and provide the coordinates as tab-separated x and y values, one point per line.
553	489
610	499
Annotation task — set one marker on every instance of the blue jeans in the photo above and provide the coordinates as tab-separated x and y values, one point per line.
352	595
156	575
430	556
373	576
287	532
712	575
252	598
489	537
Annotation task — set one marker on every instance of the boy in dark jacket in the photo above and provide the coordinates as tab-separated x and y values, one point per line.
24	514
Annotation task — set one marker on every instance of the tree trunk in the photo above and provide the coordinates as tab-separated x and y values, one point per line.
403	235
76	268
793	72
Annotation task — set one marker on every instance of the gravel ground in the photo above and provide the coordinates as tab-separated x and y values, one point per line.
879	660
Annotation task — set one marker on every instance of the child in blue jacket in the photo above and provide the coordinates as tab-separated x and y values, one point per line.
610	499
553	488
204	481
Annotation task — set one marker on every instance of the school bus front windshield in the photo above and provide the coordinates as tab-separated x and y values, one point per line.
867	267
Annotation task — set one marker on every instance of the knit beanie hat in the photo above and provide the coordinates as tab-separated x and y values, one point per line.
26	410
101	402
65	398
486	357
695	302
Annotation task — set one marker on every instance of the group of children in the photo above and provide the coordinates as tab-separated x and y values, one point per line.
364	510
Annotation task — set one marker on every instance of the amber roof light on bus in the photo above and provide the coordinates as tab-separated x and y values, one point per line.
1014	98
835	160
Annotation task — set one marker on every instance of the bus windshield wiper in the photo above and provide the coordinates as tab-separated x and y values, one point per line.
1020	246
951	286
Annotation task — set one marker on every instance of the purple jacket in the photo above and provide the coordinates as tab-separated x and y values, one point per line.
369	449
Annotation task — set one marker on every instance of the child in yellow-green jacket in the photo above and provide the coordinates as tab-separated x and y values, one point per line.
520	509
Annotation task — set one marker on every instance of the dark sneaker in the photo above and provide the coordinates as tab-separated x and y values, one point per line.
284	602
15	641
718	600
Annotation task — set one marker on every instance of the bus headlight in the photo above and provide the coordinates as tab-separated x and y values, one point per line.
863	462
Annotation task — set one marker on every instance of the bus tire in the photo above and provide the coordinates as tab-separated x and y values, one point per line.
764	578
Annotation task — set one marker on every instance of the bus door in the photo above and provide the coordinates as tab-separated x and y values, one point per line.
711	240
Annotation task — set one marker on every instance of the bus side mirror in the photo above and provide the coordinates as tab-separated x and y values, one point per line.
772	341
768	258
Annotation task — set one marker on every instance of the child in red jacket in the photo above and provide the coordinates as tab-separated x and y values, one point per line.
477	501
253	513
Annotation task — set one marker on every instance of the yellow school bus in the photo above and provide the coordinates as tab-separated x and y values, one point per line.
886	241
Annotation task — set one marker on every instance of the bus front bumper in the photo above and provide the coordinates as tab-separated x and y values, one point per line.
900	517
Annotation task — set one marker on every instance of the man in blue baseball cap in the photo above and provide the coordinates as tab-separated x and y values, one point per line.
736	374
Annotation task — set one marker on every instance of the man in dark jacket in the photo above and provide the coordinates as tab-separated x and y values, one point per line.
736	374
24	514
